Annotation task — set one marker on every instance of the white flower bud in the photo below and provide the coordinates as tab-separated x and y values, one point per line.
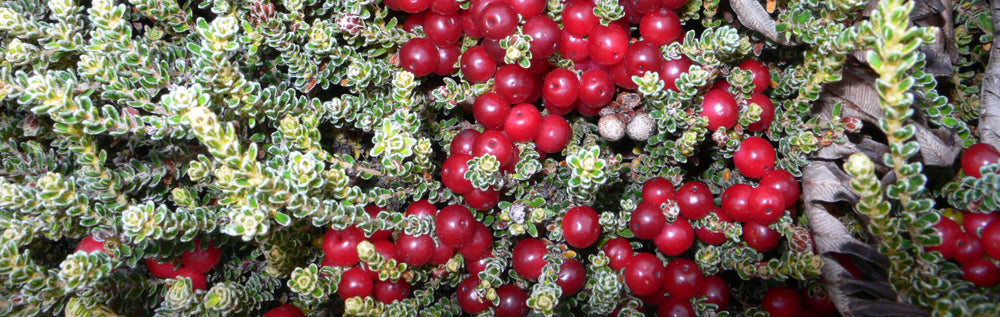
611	127
640	128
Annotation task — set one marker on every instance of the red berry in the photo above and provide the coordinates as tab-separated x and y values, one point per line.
413	6
341	246
621	77
201	260
672	69
578	18
513	301
673	4
647	220
784	182
572	275
414	250
561	88
490	110
387	249
476	265
675	307
419	56
528	258
421	207
948	230
445	6
198	280
766	204
545	35
661	27
781	301
719	107
442	253
675	238
373	211
514	83
991	238
453	173
820	304
482	199
645	274
528	8
161	269
89	245
497	20
974	222
716	291
642	57
477	65
454	225
619	251
286	310
448	57
968	248
683	278
463	142
642	6
554	134
658	190
389	291
494	143
760	237
694	200
581	227
766	117
597	89
523	123
468	296
977	156
713	237
443	29
982	273
736	202
574	48
761	74
607	44
479	245
755	157
355	283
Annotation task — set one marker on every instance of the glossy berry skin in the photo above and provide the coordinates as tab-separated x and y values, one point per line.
597	89
448	57
574	48
545	35
421	207
619	251
161	269
286	310
442	253
419	56
948	230
198	280
977	156
514	83
200	259
968	248
413	6
661	27
443	29
528	261
785	183
683	278
755	157
355	282
760	237
991	239
454	225
561	88
607	44
572	276
736	202
781	301
513	302
974	222
675	307
672	69
523	123
719	107
341	246
578	18
497	20
554	134
645	274
715	290
89	245
580	226
620	76
528	8
490	110
453	173
482	199
642	57
389	291
647	221
445	6
713	237
658	190
463	141
480	243
761	74
694	199
414	250
468	297
373	211
675	238
766	205
494	143
982	273
477	66
766	117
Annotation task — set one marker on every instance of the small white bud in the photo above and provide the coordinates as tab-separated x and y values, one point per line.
640	128
611	127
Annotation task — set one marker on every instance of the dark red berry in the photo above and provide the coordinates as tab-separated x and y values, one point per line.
419	56
580	226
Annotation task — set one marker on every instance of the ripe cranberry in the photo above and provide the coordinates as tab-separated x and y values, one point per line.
572	275
286	310
948	230
494	143
766	117
766	205
528	8
414	250
528	258
673	4
660	27
545	34
781	301
373	211
974	222
675	238
621	77
760	237
445	6
463	141
454	225
716	291
389	291
448	56
477	65
413	6
736	202
490	110
683	278
672	70
619	251
982	273
761	75
607	44
561	88
482	199
453	173
198	280
89	245
341	246
580	226
977	156
355	283
968	248
712	237
647	220
387	249
443	29
497	20
468	297
513	301
755	157
442	253
480	244
721	84
476	266
642	6
596	88
643	56
676	307
201	260
820	304
523	123
514	83
785	183
554	134
419	56
573	48
161	269
720	108
645	274
421	207
694	200
469	26
578	18
991	239
658	190
413	20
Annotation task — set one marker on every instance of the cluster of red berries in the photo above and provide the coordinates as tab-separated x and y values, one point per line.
783	301
194	265
286	310
722	109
